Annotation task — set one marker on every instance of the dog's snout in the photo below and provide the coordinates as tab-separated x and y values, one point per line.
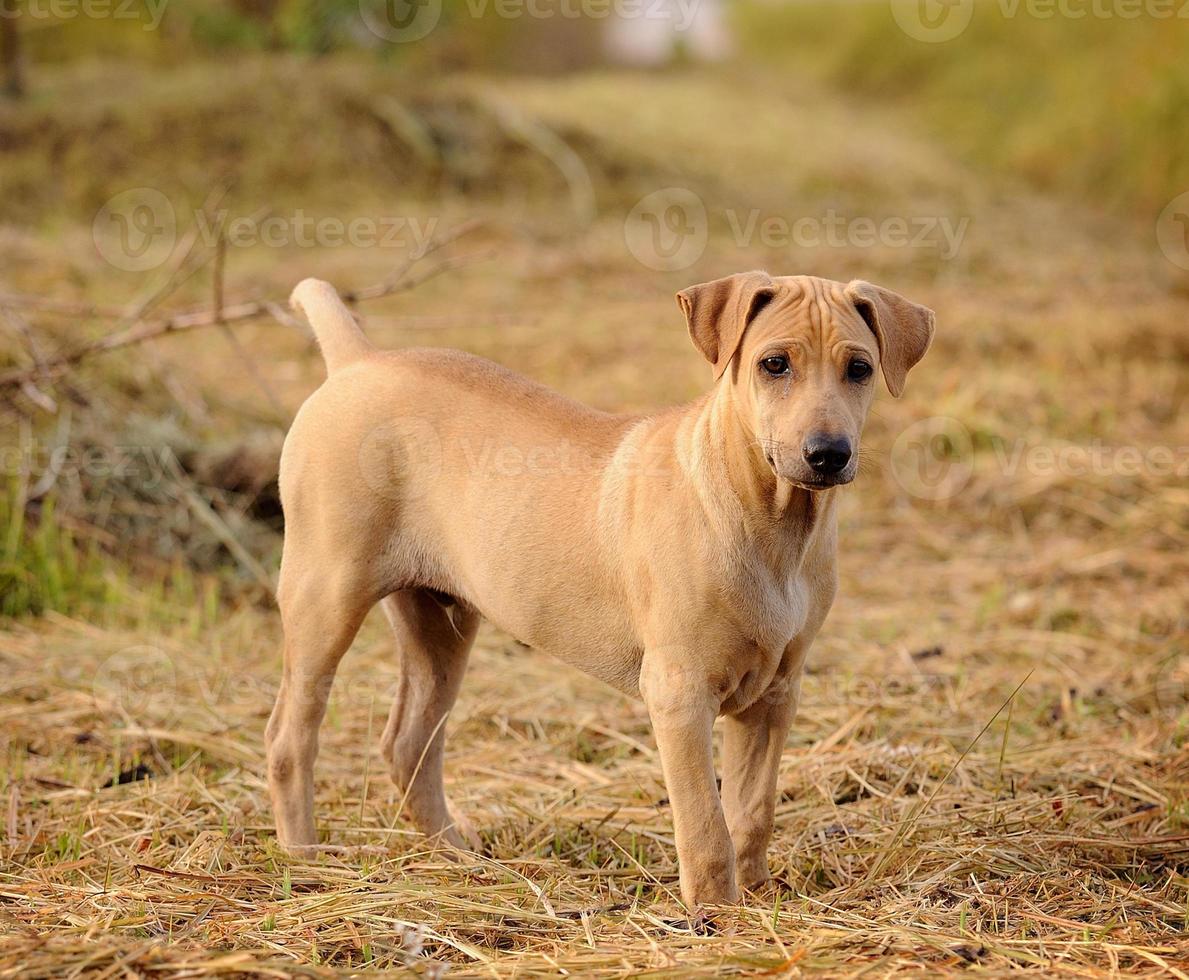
827	455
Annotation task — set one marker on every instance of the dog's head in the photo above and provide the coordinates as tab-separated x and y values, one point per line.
801	355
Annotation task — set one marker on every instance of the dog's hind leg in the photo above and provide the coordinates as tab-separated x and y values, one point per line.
433	640
320	612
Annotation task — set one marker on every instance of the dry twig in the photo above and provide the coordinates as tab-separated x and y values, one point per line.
407	277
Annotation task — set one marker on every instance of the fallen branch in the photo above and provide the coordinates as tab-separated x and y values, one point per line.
241	351
42	304
22	328
405	278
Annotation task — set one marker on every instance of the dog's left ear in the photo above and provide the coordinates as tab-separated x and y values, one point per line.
902	329
718	312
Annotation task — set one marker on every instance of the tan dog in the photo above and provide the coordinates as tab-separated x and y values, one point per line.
687	556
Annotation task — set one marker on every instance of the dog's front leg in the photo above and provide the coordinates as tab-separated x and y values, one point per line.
752	745
682	709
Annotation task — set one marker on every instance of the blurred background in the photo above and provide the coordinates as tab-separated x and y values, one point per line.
611	152
532	180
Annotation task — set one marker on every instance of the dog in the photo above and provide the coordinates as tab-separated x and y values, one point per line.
685	557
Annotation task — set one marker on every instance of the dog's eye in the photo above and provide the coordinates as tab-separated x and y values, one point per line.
775	365
858	370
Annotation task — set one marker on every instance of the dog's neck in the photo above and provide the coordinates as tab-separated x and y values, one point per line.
772	514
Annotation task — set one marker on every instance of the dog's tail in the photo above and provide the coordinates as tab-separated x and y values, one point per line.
339	336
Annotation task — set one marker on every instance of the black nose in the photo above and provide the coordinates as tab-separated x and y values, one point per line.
827	455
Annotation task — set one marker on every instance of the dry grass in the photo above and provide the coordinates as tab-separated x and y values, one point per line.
991	766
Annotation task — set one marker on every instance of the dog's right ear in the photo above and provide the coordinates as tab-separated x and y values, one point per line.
718	312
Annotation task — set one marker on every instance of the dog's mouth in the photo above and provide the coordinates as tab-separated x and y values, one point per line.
823	482
808	480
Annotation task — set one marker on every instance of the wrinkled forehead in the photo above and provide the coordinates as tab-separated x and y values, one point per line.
814	311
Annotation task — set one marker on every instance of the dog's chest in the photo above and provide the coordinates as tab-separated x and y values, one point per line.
763	647
772	609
